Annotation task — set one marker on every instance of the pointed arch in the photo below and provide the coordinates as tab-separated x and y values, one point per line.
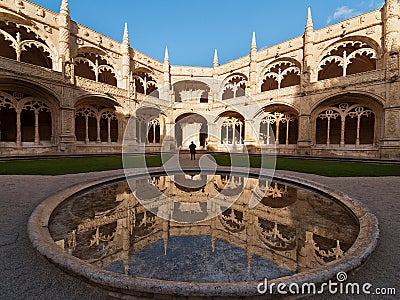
348	56
234	86
279	74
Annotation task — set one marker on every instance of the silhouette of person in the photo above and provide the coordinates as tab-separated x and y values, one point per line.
192	148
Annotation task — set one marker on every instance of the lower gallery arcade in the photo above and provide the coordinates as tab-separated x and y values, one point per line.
342	125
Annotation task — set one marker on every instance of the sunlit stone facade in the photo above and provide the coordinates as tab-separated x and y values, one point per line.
67	88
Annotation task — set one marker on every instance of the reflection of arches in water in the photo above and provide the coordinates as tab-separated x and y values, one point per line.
232	220
329	249
276	236
145	224
274	194
186	212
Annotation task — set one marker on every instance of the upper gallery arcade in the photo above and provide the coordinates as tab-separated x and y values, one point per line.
333	91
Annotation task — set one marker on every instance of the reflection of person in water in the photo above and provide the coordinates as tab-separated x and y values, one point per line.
192	148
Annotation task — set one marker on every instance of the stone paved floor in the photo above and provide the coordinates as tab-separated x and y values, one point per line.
26	275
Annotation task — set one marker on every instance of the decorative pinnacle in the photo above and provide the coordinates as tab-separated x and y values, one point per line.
254	42
309	23
126	34
166	56
64	6
216	64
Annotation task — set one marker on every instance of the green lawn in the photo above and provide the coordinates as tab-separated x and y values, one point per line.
91	164
63	166
319	167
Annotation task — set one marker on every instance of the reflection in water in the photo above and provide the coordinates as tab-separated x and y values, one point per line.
290	230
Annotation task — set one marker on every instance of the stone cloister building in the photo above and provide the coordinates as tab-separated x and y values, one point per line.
67	88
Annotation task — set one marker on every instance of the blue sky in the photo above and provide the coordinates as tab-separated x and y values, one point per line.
193	29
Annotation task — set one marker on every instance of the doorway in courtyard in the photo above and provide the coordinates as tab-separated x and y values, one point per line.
189	128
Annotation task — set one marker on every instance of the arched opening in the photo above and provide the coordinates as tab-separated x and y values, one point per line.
96	121
95	67
84	70
145	83
348	120
281	74
191	128
232	128
191	90
234	87
36	122
35	56
279	125
18	41
25	115
154	133
347	58
149	126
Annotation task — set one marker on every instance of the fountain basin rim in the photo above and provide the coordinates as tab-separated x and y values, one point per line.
39	235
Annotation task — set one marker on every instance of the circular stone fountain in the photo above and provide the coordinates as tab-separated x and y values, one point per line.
202	235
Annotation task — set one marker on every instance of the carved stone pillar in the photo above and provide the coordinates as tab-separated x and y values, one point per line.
86	130
98	130
305	135
19	142
67	130
390	148
37	137
109	130
249	135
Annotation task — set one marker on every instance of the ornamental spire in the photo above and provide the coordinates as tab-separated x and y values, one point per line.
166	55
64	7
309	23
216	64
126	34
254	42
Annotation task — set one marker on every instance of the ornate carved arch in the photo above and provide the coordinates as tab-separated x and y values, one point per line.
22	38
234	86
347	57
145	81
95	65
284	73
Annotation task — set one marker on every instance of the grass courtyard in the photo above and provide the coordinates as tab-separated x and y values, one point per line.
61	166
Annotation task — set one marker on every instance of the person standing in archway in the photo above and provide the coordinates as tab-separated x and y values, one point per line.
192	149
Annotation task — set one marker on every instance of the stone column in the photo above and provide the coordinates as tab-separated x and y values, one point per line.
305	135
343	130
98	130
109	130
37	137
249	132
67	132
19	140
86	129
390	148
